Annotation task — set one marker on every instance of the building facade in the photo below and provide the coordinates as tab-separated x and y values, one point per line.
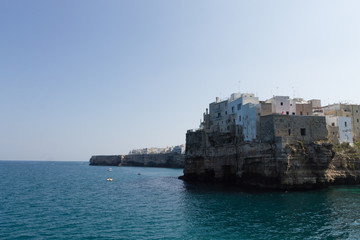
245	115
339	129
289	129
346	110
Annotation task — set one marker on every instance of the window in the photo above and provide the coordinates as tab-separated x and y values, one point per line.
225	112
239	106
287	113
232	109
281	103
240	118
289	131
293	113
333	124
219	114
302	131
307	113
301	113
333	133
357	120
345	124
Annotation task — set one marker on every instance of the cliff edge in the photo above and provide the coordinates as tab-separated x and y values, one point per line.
167	160
274	164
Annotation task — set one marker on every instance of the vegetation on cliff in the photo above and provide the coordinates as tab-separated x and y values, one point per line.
296	165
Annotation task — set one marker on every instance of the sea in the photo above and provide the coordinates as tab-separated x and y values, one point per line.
72	200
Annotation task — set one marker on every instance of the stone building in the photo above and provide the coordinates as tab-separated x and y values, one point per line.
227	113
346	110
235	106
339	129
251	121
311	107
219	115
303	107
265	108
286	106
244	115
282	105
288	129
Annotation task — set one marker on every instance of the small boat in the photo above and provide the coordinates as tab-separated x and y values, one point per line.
109	179
110	169
139	173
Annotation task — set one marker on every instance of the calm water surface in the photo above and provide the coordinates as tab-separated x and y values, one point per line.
71	200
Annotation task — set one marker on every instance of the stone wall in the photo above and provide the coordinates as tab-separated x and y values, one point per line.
266	108
290	129
345	110
304	109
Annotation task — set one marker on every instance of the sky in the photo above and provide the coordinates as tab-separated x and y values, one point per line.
82	78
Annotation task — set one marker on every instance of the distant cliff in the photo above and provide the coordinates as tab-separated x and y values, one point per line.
169	160
106	160
216	157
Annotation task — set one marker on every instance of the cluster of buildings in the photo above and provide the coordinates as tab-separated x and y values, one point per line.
180	149
289	119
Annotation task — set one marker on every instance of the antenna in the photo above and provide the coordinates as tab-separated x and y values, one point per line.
293	92
239	83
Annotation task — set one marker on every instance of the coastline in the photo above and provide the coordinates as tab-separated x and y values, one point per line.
165	160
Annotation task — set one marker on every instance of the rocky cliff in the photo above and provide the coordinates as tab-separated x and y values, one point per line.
106	160
216	157
169	160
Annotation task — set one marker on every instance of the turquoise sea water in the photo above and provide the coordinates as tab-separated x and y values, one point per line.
71	200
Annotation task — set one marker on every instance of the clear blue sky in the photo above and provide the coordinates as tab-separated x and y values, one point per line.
79	78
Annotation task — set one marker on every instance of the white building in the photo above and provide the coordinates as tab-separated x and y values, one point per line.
219	115
283	105
250	121
243	109
236	104
343	127
224	114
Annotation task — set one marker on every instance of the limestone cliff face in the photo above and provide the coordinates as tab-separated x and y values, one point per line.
344	167
106	160
169	160
222	158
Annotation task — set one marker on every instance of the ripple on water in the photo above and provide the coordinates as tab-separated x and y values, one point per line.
74	201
